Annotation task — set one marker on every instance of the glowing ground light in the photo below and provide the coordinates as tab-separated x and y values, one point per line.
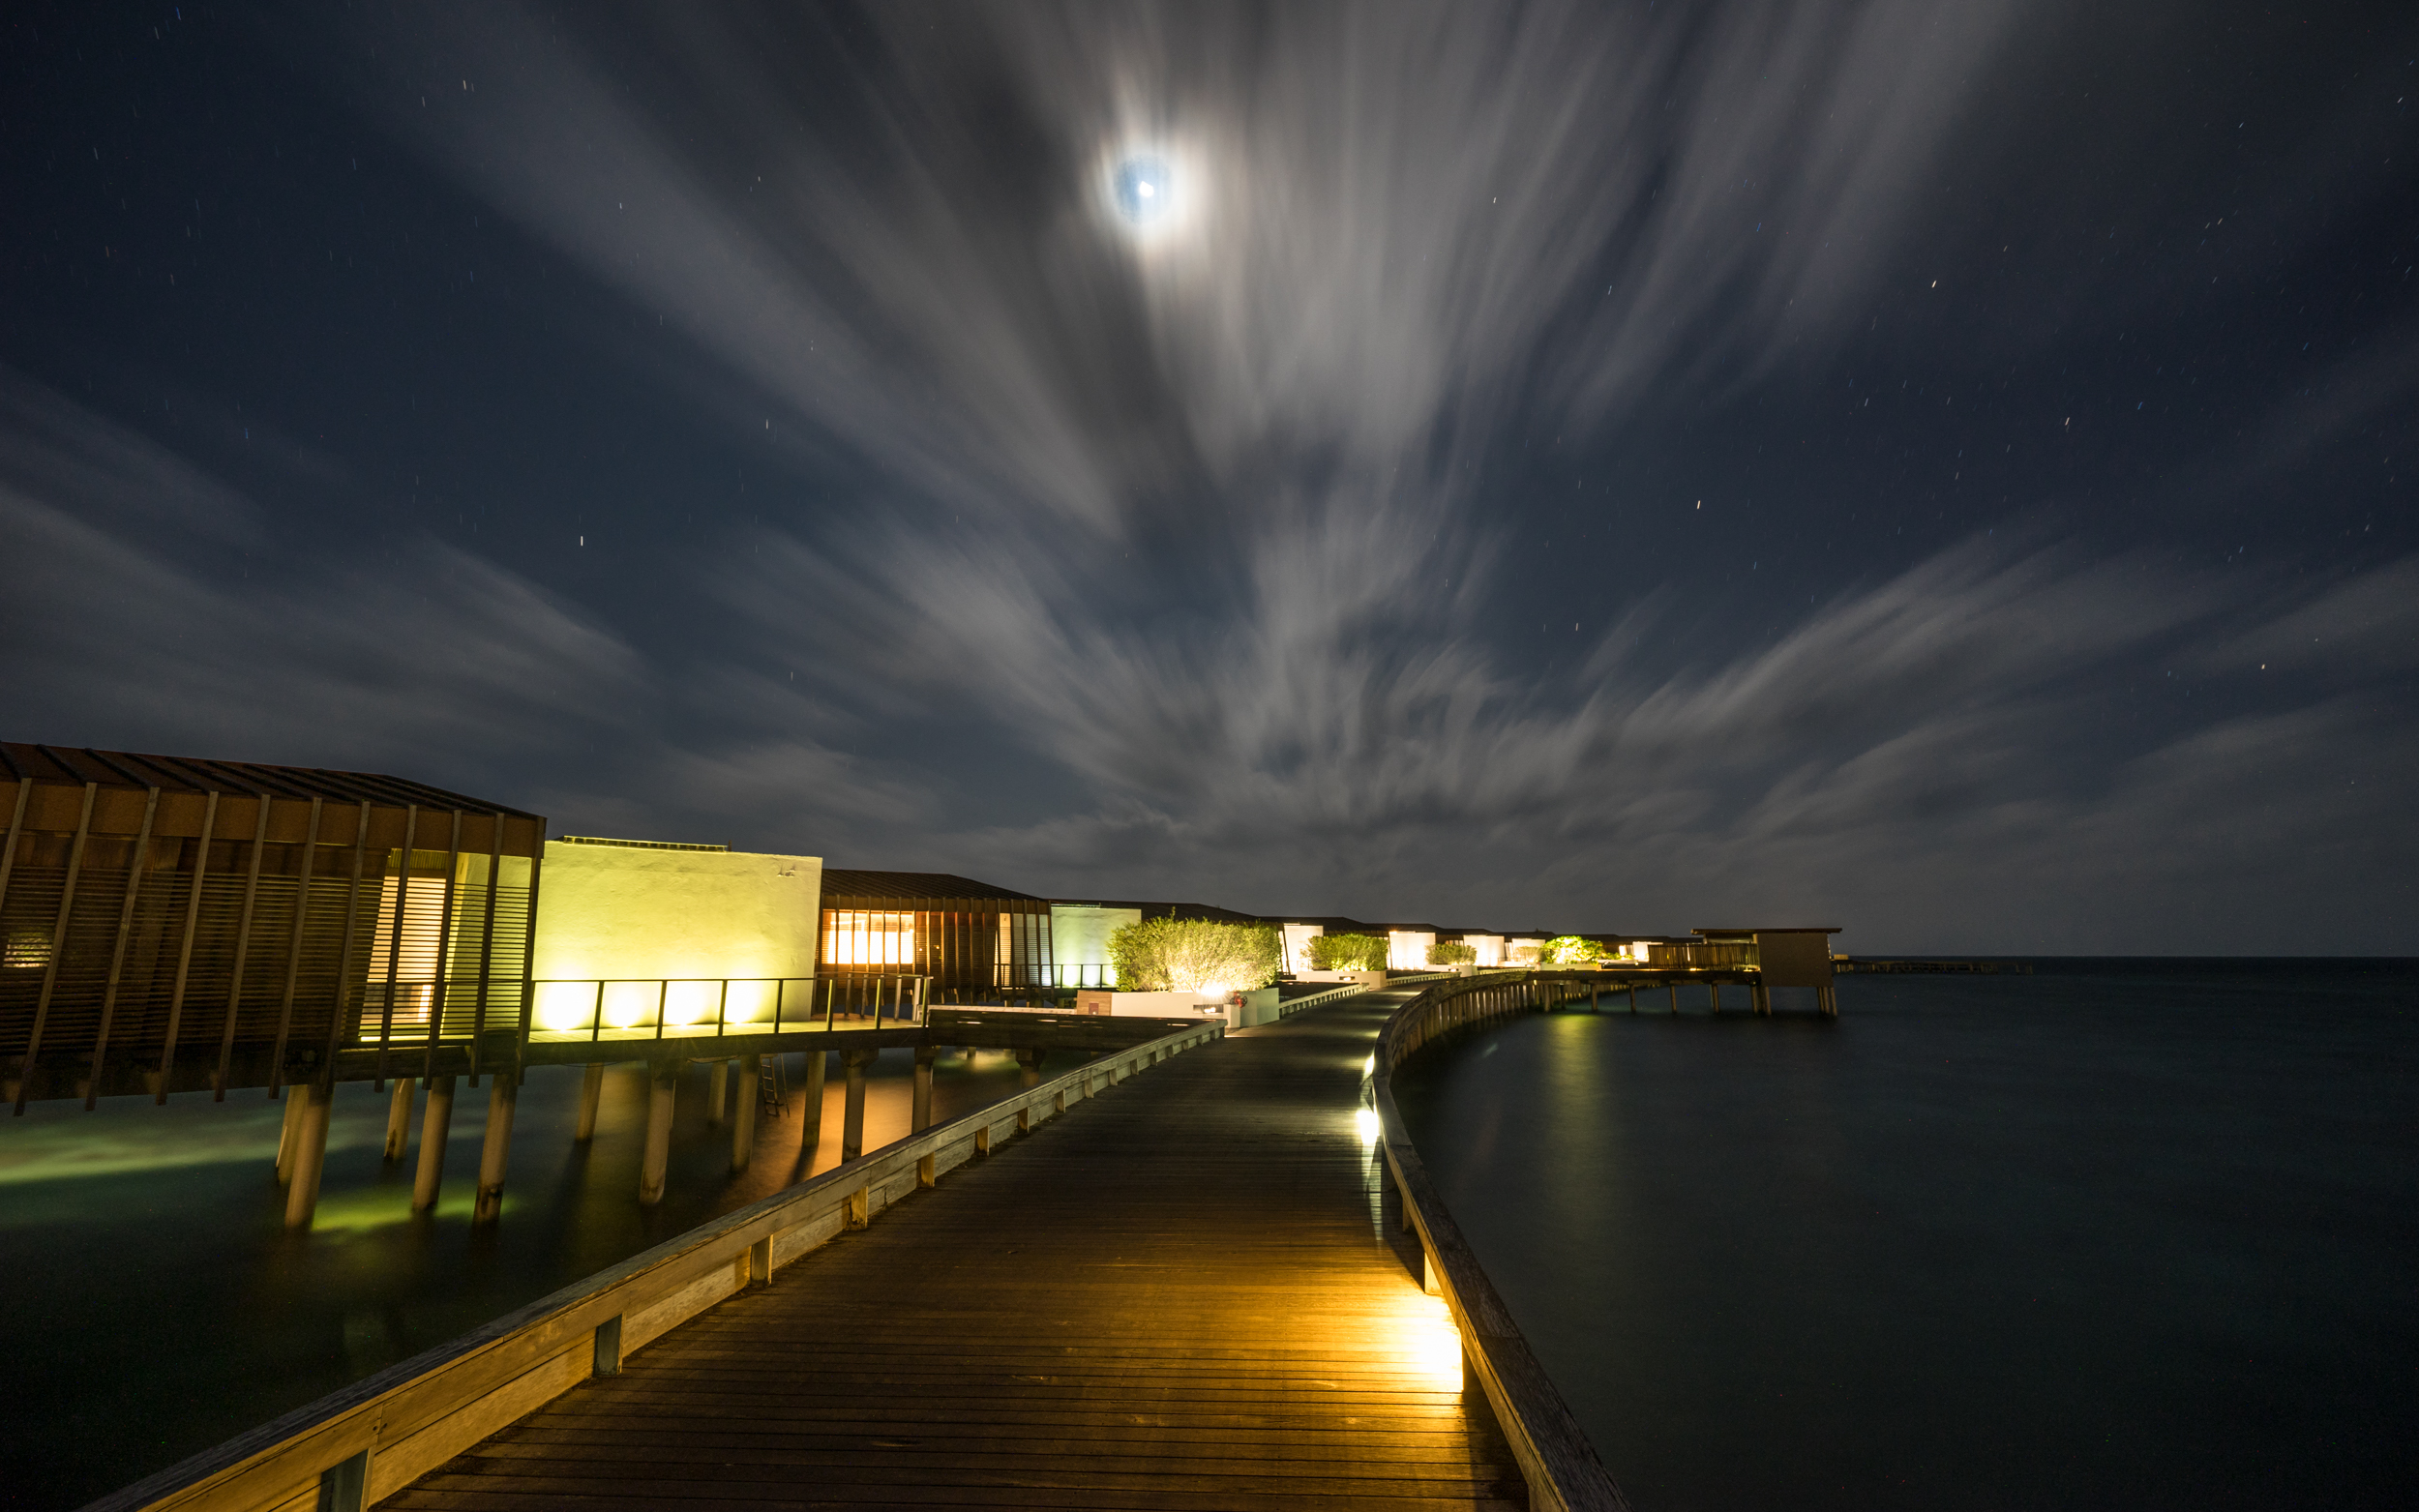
1143	190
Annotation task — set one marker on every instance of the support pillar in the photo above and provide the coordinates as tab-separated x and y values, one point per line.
310	1152
1029	1060
289	1136
399	1120
503	1096
920	1115
744	1116
591	1092
1633	997
1675	994
717	1092
853	1111
663	1089
812	1096
435	1126
1714	995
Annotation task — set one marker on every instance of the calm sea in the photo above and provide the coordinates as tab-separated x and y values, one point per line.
155	1306
2137	1233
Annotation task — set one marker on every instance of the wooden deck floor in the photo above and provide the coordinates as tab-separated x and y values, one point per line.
1182	1294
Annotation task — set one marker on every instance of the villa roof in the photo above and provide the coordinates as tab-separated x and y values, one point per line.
841	882
75	766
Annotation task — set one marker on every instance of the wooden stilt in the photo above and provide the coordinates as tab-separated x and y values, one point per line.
1714	995
399	1119
812	1096
662	1092
496	1151
289	1137
1029	1061
591	1092
717	1092
920	1118
302	1192
852	1110
1675	994
435	1125
744	1116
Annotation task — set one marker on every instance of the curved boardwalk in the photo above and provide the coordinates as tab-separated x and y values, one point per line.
1182	1294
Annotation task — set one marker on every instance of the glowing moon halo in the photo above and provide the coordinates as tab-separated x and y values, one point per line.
1144	190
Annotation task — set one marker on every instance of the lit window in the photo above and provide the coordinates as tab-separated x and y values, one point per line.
858	937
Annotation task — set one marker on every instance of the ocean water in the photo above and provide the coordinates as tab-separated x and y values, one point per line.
155	1306
2121	1233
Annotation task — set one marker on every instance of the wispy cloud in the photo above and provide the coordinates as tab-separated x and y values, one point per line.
1202	525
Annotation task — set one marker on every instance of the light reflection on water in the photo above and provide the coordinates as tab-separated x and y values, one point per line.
2117	1233
156	1307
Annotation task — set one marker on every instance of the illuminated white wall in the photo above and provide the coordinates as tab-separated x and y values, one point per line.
1490	948
1078	941
1407	950
620	912
1297	938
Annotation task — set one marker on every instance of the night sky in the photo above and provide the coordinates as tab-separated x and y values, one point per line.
1931	468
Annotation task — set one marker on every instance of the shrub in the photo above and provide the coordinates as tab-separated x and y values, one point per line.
1521	952
1190	955
1569	950
1452	953
1346	953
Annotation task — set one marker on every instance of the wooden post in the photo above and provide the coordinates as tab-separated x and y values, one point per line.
853	1112
435	1126
663	1089
496	1151
591	1091
302	1194
1633	996
811	1097
744	1116
921	1116
288	1139
1674	986
717	1090
1714	995
399	1119
1030	1063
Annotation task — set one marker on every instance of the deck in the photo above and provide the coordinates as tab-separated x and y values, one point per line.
1183	1295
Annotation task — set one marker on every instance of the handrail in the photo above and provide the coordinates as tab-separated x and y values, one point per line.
1561	1467
381	1433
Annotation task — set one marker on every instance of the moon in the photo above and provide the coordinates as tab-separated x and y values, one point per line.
1144	190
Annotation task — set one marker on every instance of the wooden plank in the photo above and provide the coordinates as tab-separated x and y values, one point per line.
1171	1295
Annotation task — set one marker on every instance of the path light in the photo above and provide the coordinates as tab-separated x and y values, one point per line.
1366	1119
1426	1345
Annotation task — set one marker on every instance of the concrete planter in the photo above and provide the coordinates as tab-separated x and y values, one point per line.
1342	978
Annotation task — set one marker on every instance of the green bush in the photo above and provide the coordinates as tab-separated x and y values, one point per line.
1569	950
1452	953
1346	953
1190	955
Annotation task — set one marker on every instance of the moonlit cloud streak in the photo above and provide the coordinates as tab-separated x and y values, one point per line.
1210	531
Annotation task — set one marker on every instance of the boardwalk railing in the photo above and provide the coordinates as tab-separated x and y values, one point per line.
1556	1459
349	1449
656	1008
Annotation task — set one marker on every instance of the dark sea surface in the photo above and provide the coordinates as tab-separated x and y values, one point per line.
155	1305
2121	1233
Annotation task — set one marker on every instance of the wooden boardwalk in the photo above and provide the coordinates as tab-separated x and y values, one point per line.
1182	1294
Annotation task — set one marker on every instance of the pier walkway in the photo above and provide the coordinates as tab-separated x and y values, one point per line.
1183	1295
